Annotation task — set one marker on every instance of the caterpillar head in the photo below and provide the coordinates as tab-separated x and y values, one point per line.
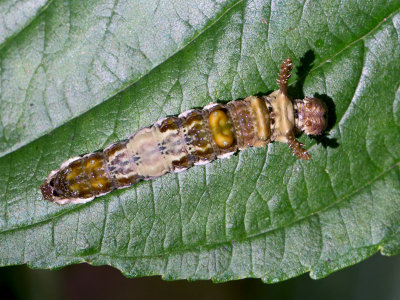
310	116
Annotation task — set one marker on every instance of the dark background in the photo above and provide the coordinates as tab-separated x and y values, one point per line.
376	278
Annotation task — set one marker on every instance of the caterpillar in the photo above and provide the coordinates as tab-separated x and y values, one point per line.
195	137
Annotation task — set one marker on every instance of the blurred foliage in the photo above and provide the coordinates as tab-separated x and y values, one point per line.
376	278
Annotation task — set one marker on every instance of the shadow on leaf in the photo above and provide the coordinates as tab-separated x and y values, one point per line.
296	91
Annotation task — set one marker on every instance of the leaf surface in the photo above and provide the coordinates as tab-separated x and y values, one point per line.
261	213
15	15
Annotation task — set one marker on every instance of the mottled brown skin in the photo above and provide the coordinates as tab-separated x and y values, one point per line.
120	163
83	178
195	137
312	116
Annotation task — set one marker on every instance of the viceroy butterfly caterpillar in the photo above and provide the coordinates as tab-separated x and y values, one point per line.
195	137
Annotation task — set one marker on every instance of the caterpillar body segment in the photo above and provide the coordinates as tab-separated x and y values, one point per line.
195	137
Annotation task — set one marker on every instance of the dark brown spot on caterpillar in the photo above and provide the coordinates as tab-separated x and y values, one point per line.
169	124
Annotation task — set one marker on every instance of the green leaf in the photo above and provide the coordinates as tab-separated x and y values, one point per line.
85	74
15	15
